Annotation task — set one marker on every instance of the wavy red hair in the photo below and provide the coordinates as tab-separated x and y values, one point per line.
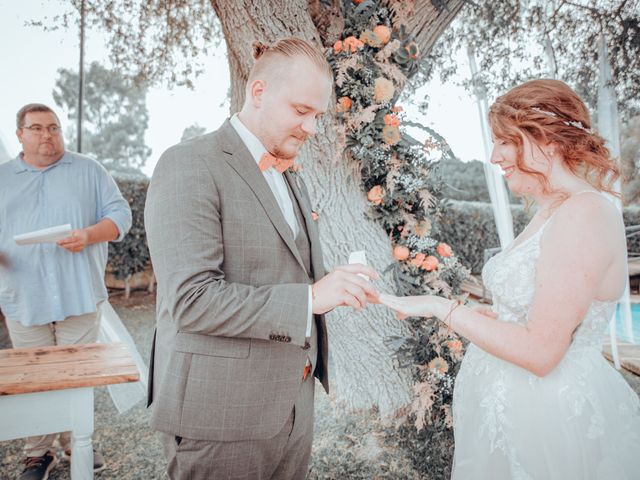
520	112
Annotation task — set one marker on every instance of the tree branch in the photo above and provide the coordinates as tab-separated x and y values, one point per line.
428	22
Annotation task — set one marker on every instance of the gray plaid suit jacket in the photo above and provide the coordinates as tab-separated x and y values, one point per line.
228	353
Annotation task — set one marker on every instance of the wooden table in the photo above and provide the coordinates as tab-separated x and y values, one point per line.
50	389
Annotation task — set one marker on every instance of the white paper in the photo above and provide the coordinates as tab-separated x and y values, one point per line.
359	257
46	235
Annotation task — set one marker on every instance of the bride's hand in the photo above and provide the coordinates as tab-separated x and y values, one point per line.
422	306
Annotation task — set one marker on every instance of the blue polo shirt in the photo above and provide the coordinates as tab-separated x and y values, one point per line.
44	282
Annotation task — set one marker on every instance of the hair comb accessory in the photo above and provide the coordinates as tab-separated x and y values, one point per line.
569	123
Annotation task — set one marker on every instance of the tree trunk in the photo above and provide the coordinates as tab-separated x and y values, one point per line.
362	367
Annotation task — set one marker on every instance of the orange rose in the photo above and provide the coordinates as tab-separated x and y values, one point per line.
344	104
400	252
455	346
375	195
444	250
352	44
315	216
397	109
337	47
391	120
418	259
383	32
430	263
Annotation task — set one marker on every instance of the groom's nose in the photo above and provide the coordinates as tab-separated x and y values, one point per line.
309	126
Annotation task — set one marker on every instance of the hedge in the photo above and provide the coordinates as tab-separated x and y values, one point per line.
467	226
131	255
470	229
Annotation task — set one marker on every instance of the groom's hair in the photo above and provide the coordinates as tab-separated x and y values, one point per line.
283	51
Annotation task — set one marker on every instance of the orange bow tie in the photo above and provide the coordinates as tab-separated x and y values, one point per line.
280	164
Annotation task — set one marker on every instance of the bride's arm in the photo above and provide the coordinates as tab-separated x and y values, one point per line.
576	251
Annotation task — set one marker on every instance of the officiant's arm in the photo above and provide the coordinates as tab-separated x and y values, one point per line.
576	253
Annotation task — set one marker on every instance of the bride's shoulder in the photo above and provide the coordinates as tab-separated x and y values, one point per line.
587	217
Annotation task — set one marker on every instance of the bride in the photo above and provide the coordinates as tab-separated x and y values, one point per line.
534	398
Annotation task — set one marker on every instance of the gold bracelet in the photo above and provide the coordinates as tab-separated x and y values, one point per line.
447	320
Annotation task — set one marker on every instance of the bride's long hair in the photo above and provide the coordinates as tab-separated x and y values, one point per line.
549	111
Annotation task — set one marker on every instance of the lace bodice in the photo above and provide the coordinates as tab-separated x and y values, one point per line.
510	277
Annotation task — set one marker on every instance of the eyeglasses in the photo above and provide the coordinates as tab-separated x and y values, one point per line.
39	129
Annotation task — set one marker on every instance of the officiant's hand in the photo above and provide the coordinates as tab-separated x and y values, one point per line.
344	288
76	242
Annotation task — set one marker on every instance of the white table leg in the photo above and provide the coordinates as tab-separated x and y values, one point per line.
81	432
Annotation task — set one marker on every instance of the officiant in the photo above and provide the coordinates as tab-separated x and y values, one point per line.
52	290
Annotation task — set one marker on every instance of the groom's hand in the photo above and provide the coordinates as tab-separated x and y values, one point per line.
344	287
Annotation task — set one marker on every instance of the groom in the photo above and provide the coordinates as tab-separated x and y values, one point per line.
241	283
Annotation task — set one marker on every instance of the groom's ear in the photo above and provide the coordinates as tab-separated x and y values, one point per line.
256	90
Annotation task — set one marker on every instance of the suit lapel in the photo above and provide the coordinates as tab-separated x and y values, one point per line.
239	158
302	197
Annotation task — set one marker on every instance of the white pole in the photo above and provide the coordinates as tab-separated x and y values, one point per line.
609	128
495	182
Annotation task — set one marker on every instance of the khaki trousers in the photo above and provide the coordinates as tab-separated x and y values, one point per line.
72	330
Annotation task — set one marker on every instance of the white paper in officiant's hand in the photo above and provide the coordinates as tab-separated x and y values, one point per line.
359	257
46	235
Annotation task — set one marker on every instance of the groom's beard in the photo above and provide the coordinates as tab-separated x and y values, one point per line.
290	153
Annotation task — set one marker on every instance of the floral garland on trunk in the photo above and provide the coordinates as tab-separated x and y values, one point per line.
371	62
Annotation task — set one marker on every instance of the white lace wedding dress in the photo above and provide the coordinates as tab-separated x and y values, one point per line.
580	422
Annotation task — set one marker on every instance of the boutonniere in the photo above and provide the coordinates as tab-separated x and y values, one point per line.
294	171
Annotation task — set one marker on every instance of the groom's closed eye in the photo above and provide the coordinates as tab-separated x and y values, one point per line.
304	110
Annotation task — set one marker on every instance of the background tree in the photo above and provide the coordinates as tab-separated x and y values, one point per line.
518	40
630	159
192	131
115	116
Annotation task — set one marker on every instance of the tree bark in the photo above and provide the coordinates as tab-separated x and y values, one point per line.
362	367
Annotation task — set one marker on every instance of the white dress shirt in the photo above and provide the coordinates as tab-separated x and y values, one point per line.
278	186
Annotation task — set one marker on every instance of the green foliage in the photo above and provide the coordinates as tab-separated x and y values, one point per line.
192	131
131	255
115	116
632	218
515	41
164	40
463	180
630	161
470	229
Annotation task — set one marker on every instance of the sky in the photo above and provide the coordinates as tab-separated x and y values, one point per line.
31	57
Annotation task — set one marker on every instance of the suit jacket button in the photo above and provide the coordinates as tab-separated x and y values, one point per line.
287	339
